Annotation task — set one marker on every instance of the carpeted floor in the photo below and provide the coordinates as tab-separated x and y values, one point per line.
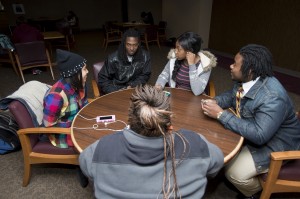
60	181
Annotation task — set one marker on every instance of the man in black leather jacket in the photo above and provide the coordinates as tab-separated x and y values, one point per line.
127	67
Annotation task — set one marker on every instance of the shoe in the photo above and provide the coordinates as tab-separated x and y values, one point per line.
83	180
36	71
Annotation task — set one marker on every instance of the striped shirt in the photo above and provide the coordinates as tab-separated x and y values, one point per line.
183	77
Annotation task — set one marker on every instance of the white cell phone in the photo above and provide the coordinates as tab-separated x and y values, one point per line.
106	118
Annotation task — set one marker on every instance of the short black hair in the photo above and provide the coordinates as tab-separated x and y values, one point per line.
257	62
122	47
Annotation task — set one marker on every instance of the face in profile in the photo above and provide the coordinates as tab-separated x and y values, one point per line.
84	72
132	44
235	68
180	53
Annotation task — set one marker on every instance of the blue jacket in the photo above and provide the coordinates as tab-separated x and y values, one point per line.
268	121
128	165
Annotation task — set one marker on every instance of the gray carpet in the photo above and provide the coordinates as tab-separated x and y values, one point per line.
60	181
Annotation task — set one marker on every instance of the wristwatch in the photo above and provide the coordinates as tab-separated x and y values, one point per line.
219	114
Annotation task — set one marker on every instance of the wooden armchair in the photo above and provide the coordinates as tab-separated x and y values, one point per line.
282	177
32	54
111	35
150	35
36	151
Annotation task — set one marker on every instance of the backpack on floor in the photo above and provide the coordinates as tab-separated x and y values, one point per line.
9	140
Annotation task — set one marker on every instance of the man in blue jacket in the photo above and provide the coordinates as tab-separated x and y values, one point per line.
264	116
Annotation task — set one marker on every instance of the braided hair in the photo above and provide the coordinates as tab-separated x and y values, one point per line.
150	115
122	54
257	62
189	41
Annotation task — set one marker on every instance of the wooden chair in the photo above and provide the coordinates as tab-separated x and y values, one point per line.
96	69
162	26
8	57
150	35
34	150
32	54
282	177
210	89
111	35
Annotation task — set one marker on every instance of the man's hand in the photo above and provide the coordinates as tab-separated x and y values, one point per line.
211	108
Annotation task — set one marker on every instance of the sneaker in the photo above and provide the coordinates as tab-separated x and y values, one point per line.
36	71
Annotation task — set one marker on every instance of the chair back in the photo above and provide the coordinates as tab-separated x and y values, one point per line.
23	118
96	69
111	34
162	26
31	53
150	35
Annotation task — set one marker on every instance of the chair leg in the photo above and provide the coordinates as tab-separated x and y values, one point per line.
21	72
27	173
13	63
158	44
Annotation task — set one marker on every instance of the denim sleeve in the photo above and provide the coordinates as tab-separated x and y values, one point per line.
260	121
226	100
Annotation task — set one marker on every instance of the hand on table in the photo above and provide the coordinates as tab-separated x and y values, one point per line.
211	108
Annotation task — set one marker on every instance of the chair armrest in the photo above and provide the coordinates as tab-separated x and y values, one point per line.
285	155
95	89
211	88
45	130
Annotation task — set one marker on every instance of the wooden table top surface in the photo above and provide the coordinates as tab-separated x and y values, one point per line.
187	111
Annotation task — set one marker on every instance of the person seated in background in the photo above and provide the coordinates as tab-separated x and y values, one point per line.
24	32
127	67
72	18
147	18
188	67
147	159
265	117
67	96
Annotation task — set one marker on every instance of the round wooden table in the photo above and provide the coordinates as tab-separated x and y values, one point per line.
187	111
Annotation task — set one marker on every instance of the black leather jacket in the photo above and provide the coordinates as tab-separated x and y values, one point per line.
118	74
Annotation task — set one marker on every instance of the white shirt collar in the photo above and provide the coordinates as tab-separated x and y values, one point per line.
246	86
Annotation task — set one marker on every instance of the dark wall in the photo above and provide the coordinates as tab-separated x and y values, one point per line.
272	23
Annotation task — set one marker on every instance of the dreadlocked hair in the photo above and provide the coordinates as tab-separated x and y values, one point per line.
189	41
257	62
122	54
150	115
75	80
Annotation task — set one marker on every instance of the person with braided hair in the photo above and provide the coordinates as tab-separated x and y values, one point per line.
127	67
264	116
188	67
148	159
